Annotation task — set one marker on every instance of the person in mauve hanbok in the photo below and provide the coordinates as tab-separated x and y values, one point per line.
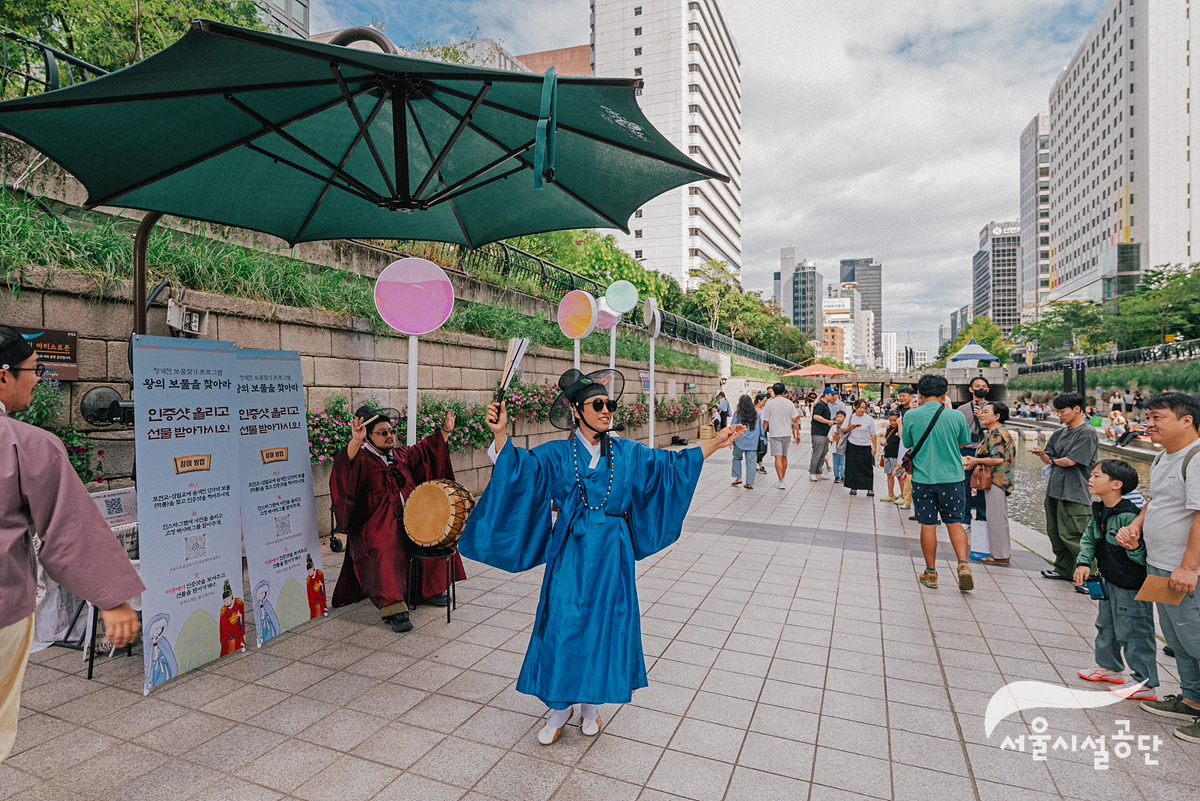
40	491
370	483
619	501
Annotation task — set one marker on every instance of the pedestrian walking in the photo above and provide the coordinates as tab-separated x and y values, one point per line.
860	450
1166	524
777	423
998	451
747	443
723	409
760	400
933	436
906	400
818	432
39	490
1070	453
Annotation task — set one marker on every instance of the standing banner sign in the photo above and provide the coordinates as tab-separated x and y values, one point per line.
279	513
185	424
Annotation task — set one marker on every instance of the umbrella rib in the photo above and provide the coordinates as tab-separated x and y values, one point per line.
697	168
447	195
219	151
400	141
274	157
463	122
175	95
429	152
345	176
349	152
362	127
454	187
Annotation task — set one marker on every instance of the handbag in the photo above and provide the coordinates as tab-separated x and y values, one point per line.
907	461
981	477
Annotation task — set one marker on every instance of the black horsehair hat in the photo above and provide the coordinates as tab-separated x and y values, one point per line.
576	387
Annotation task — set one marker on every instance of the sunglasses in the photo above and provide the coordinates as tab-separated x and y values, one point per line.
385	433
39	370
599	404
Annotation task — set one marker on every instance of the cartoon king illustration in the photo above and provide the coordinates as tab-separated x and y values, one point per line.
316	591
233	622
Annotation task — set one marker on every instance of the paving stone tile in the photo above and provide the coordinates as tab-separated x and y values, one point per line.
388	700
582	785
347	779
643	725
231	789
790	758
691	776
398	745
34	728
440	713
522	778
853	772
623	759
245	702
291	715
722	709
754	785
709	740
343	729
288	765
498	727
411	787
458	762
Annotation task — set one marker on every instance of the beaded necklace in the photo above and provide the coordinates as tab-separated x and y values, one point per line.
579	479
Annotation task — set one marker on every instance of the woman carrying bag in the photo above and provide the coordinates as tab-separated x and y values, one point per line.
860	450
992	466
747	443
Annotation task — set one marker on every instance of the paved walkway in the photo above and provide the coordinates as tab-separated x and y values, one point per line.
792	655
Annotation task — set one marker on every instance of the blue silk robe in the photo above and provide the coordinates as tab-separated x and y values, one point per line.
586	644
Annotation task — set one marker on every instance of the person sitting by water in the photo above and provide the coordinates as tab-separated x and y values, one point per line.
1116	425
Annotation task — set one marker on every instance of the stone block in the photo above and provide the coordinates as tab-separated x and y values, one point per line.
335	372
93	359
425	377
392	348
431	354
308	370
97	319
484	359
306	339
117	460
445	378
368	396
318	397
22	309
351	345
247	333
457	356
118	361
477	379
377	374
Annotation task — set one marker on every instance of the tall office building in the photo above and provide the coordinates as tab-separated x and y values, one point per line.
1034	274
845	309
289	17
868	274
965	315
798	291
888	338
1121	170
994	274
684	52
944	335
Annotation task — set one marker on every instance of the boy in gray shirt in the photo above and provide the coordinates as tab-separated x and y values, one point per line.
1170	523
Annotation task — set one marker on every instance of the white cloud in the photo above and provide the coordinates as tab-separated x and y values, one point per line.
882	129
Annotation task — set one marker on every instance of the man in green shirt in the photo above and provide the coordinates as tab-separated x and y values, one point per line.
937	479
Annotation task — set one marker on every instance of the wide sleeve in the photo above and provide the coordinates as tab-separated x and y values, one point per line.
339	490
663	485
79	550
427	460
510	527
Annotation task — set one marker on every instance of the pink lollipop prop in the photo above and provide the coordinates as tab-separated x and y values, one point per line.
413	296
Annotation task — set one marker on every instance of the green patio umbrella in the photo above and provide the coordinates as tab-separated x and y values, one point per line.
309	141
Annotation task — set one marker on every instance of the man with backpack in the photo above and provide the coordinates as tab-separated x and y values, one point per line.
1170	526
933	438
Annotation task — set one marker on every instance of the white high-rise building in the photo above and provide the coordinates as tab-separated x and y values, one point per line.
920	359
684	52
1033	273
888	343
1121	169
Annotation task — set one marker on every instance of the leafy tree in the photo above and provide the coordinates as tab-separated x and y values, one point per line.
116	33
1166	302
1063	327
718	285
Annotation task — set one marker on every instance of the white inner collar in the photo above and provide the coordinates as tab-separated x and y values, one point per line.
594	450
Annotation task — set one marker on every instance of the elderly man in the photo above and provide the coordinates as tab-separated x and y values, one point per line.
40	492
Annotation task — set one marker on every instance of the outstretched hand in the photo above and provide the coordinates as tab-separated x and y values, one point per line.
448	425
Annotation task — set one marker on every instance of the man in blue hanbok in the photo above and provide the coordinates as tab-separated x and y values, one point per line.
619	501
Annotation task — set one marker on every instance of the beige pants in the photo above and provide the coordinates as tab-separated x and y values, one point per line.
15	641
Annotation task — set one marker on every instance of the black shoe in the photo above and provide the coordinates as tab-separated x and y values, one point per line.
870	493
853	492
1052	575
1168	650
400	622
441	599
914	517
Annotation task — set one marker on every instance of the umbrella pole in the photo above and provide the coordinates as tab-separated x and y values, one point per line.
651	392
612	349
411	436
139	270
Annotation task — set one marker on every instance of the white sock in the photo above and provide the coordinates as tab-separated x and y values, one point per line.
590	711
558	717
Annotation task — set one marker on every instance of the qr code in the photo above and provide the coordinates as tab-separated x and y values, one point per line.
113	506
283	526
195	546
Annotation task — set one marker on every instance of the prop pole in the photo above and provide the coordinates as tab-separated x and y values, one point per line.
651	392
411	438
612	349
577	354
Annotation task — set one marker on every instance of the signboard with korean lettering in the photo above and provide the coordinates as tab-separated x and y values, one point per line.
186	430
57	349
279	513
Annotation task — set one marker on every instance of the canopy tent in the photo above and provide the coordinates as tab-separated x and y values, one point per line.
971	352
817	370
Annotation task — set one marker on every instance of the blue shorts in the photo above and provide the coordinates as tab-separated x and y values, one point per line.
948	499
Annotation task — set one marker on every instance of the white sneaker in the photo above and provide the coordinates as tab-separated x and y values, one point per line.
813	479
780	485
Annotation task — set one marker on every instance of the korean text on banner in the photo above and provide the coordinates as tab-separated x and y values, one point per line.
279	514
185	424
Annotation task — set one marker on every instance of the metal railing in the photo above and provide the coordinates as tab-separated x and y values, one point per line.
28	67
1169	351
502	263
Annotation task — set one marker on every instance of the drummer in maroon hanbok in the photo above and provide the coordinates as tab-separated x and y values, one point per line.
371	481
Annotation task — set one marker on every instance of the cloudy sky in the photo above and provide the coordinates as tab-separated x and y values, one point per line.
871	128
